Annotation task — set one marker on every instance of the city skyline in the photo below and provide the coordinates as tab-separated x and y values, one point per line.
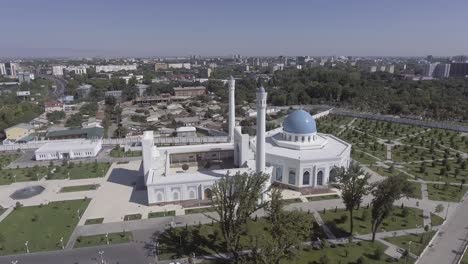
212	28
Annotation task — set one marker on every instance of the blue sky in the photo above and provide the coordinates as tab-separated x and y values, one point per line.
254	27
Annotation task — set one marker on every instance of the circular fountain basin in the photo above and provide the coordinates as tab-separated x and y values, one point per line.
27	192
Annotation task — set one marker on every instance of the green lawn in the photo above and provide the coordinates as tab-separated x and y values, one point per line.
94	221
323	197
346	253
97	240
443	192
433	173
161	214
419	241
339	221
42	226
74	171
79	188
362	157
6	159
199	210
436	220
131	217
207	239
465	258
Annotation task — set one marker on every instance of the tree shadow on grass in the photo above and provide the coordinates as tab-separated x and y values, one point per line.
182	242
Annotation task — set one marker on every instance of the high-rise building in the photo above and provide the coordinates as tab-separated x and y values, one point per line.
442	70
459	69
58	70
429	69
11	68
2	69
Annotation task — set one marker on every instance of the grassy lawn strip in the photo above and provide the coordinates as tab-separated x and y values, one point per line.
74	171
419	241
131	217
42	226
465	258
161	214
445	192
400	219
98	240
79	188
323	197
94	221
5	160
199	210
436	220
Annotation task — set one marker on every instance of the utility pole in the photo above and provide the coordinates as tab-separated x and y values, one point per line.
27	247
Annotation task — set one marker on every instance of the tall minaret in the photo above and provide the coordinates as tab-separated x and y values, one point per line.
232	108
261	116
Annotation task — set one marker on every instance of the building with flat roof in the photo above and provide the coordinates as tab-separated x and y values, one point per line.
190	91
116	94
57	70
115	68
52	106
2	69
73	149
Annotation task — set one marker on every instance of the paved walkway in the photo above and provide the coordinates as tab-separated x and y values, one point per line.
322	224
6	213
448	244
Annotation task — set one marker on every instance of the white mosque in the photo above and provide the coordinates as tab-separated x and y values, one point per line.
295	156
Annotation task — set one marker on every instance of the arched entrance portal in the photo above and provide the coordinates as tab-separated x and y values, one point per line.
207	194
320	178
306	178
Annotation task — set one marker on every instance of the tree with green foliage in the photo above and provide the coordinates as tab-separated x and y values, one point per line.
74	120
235	198
354	185
55	116
385	193
288	230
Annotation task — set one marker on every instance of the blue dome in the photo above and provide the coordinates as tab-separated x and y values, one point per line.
299	122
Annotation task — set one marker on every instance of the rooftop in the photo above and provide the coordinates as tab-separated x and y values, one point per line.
68	145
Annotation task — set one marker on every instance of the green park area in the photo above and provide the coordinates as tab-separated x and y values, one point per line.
418	241
323	197
41	226
338	220
445	192
6	159
436	220
200	210
80	188
464	259
99	240
208	240
131	217
161	214
71	170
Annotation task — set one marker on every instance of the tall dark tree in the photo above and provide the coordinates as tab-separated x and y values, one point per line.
385	193
354	184
235	198
288	230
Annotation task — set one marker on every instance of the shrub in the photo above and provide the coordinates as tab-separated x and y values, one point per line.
185	167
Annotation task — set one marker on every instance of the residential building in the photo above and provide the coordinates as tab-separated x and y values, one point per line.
160	66
116	94
18	131
68	150
115	68
185	65
186	131
79	70
58	70
2	69
52	106
25	77
84	90
459	69
187	121
11	69
190	91
442	70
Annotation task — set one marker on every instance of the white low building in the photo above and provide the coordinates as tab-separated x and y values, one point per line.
72	149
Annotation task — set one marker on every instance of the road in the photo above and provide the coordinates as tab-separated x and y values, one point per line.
451	239
60	83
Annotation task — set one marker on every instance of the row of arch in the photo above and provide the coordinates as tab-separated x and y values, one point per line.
175	195
306	177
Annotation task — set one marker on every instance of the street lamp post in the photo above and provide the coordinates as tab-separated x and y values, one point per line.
14	177
107	238
61	242
14	262
27	247
78	213
446	212
102	258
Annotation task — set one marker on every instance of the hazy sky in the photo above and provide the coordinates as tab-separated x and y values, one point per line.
221	27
